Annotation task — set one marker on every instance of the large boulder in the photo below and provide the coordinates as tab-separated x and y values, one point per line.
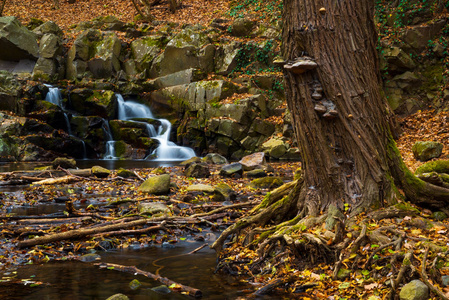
427	150
94	103
157	185
104	61
188	49
49	27
276	148
418	37
146	49
197	170
16	41
397	60
242	27
226	58
10	90
50	45
253	161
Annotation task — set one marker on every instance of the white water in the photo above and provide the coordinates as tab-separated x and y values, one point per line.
54	96
167	151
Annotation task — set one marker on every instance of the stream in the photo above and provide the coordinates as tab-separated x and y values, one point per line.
78	280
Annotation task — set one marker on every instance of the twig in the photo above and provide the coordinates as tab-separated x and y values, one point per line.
133	270
198	249
426	278
223	208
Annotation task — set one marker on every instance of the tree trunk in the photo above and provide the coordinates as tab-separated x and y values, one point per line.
341	118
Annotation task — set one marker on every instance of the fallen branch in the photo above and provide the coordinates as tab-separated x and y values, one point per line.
426	278
137	231
79	233
170	283
238	205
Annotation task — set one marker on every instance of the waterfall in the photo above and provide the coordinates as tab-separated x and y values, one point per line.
110	143
167	151
54	96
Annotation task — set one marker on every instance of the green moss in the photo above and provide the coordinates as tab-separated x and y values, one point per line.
434	75
120	148
103	98
267	182
439	166
406	206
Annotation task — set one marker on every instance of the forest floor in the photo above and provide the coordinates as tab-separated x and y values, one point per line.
96	202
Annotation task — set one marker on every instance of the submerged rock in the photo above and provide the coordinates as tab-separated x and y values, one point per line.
157	185
91	257
135	284
162	289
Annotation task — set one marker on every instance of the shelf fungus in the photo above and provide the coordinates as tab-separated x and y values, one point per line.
301	65
331	114
316	96
279	61
320	108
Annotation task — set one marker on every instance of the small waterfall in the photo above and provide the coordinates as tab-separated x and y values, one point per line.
54	96
167	151
110	143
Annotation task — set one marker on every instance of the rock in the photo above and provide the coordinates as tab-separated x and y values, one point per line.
190	161
407	80
418	37
427	150
445	280
266	183
80	52
16	41
439	166
226	58
63	162
157	185
146	49
152	208
118	297
256	173
253	161
439	216
45	68
414	290
187	49
242	27
125	173
49	27
333	215
10	90
275	147
223	192
163	289
50	45
135	284
100	172
214	158
235	169
182	77
204	188
197	170
94	103
397	59
104	61
91	257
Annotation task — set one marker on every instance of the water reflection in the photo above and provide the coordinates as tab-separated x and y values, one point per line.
76	280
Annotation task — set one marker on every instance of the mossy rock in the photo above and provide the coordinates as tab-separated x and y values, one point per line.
439	166
100	172
125	173
64	162
425	151
439	216
223	192
118	297
135	284
157	185
266	183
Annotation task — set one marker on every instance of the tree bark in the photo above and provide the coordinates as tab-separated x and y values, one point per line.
342	121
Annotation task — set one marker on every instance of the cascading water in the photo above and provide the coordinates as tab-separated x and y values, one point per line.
167	151
54	96
110	143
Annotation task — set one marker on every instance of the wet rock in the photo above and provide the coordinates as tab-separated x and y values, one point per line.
146	49
190	161
182	77
100	172
64	162
203	188
197	170
135	284
157	185
94	103
153	208
16	41
91	257
214	158
235	169
253	161
266	183
427	150
256	173
118	297
414	290
162	289
223	192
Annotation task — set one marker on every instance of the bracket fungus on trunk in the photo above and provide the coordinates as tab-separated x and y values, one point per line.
301	65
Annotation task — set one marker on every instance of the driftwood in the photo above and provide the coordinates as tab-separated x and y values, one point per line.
136	231
79	233
238	205
35	221
59	180
170	283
